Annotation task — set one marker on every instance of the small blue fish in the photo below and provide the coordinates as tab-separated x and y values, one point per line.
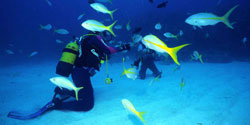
49	3
128	27
61	31
59	41
33	54
10	52
118	27
46	27
244	40
181	33
158	26
80	16
105	1
170	35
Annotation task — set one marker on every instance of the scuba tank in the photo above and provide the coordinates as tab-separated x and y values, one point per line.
70	53
65	65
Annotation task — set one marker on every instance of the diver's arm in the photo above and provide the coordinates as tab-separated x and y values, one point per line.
100	43
64	92
123	47
61	95
107	49
137	62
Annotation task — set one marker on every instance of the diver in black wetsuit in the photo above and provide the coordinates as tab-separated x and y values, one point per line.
81	63
93	50
146	57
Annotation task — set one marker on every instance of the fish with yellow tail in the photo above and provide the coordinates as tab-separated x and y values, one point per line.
63	82
94	25
131	109
156	79
105	1
205	19
46	27
170	35
103	9
182	84
61	31
154	43
128	26
131	73
197	56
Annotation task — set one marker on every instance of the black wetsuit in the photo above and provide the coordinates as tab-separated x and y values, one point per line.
93	50
147	62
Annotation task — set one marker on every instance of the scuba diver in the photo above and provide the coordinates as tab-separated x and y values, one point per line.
146	57
93	49
81	59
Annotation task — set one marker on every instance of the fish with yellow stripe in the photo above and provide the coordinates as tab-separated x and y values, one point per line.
197	56
95	26
182	84
103	9
131	73
205	19
63	82
131	109
154	43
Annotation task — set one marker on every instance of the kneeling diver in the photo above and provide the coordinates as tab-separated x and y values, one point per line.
80	59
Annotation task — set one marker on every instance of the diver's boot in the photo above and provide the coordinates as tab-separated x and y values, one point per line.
158	75
142	76
57	103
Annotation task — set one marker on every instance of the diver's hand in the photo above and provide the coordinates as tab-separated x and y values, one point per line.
57	103
57	90
62	92
124	47
92	71
132	65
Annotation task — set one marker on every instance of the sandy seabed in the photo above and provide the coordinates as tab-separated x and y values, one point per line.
214	94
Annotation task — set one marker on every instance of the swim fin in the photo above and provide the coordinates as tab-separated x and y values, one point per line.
20	116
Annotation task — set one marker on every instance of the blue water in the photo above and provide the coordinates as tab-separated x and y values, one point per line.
20	20
20	25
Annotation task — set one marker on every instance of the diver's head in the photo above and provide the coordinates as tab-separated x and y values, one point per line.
106	36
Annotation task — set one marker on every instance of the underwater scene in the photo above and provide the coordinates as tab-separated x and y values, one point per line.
125	62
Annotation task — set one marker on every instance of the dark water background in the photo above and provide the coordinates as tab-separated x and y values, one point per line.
20	21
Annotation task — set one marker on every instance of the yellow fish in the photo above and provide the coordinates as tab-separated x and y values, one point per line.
154	43
205	19
94	25
63	82
197	56
128	26
156	79
177	68
182	84
61	31
46	27
130	107
130	73
103	9
170	35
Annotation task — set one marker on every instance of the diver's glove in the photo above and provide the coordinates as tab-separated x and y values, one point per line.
57	90
124	47
63	93
57	103
92	71
59	97
136	63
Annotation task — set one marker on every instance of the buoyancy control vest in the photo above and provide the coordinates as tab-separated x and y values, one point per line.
65	65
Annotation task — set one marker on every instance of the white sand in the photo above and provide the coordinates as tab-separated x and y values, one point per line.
214	94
